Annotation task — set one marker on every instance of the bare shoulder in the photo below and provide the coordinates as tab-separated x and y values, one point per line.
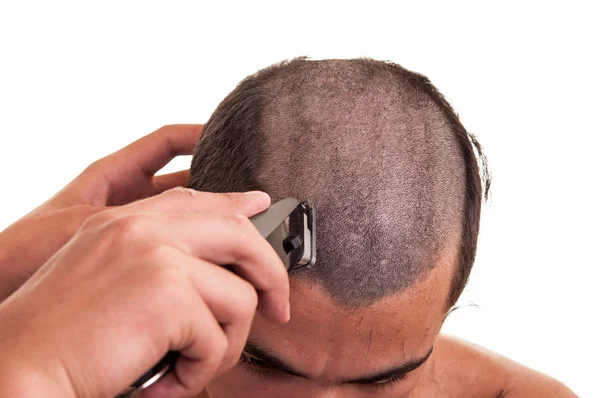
467	370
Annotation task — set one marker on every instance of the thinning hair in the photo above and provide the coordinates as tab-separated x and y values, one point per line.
395	177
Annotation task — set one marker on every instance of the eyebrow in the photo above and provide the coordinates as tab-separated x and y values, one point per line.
261	353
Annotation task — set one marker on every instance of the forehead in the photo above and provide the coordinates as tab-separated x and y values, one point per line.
325	340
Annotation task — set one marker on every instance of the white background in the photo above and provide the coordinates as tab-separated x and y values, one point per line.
79	81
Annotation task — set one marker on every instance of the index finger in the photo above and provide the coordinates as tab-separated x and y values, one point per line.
151	153
134	165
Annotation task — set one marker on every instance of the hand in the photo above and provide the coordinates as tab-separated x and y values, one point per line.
118	179
135	282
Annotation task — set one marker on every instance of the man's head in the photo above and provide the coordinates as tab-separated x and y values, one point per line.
395	181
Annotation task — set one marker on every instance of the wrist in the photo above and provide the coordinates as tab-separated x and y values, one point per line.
23	372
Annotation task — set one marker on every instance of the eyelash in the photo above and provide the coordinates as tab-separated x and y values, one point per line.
258	369
385	385
255	366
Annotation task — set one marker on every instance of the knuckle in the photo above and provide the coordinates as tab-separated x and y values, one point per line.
280	271
93	167
171	286
248	298
156	254
241	223
79	210
96	169
126	234
182	191
216	355
77	216
80	213
219	348
231	359
129	226
275	275
233	197
98	219
165	128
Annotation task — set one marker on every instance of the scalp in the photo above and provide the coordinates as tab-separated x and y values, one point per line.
379	163
367	145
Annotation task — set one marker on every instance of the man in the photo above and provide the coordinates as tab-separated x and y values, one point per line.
396	239
396	185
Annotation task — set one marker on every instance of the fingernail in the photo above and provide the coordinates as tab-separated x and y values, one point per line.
256	193
259	197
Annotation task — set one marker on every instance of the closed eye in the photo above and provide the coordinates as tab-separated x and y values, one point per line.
259	360
258	367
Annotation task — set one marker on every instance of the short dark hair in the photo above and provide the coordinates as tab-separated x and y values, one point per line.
394	175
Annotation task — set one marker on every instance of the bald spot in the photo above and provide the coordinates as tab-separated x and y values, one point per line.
375	156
